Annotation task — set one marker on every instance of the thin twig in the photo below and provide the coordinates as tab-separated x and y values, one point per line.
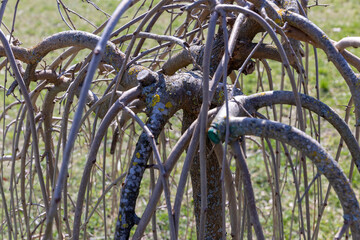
248	190
203	121
30	108
98	52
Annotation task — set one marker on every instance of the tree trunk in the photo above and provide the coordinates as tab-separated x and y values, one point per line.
213	224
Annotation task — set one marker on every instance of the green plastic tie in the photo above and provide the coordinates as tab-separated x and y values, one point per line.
213	135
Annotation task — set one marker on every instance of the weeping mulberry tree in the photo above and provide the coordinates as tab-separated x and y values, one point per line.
181	120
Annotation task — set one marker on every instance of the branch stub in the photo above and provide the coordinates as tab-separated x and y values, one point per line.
145	78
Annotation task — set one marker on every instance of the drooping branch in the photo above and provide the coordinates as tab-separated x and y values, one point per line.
322	41
47	114
348	42
30	109
126	98
169	165
75	39
79	39
65	39
245	105
249	191
163	99
324	162
99	51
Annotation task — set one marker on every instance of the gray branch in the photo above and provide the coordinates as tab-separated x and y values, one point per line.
325	164
245	105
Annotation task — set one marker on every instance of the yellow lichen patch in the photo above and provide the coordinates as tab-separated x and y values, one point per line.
313	154
120	217
161	109
168	105
107	48
221	96
125	225
330	117
138	155
135	163
135	70
279	20
280	11
155	100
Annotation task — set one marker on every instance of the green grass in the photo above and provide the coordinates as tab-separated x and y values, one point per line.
39	19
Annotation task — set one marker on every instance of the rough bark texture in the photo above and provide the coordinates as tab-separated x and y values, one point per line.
163	99
213	224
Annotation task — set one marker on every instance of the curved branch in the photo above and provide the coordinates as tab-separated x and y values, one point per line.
169	165
322	41
126	98
31	116
280	48
75	39
47	114
295	33
65	39
325	164
251	103
99	51
241	51
316	106
156	37
348	42
249	191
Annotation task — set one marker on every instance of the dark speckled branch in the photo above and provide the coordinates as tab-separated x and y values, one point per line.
163	99
125	99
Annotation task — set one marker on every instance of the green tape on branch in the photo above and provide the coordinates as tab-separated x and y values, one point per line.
213	135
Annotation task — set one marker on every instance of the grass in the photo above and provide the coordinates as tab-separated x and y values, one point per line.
38	19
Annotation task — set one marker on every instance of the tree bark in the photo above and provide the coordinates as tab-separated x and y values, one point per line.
213	224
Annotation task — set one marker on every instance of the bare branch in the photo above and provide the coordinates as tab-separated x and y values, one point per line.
312	149
348	42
